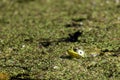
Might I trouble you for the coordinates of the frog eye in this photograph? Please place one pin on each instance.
(80, 52)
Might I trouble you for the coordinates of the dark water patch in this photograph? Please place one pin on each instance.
(24, 1)
(75, 23)
(21, 76)
(28, 39)
(45, 68)
(118, 6)
(79, 19)
(65, 57)
(17, 66)
(4, 21)
(116, 52)
(73, 37)
(45, 43)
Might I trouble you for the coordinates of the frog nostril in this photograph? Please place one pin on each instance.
(75, 49)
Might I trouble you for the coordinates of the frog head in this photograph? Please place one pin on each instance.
(80, 52)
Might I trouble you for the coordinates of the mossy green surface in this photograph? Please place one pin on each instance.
(32, 33)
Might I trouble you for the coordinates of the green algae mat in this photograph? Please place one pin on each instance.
(35, 35)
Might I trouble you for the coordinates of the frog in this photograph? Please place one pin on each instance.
(80, 52)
